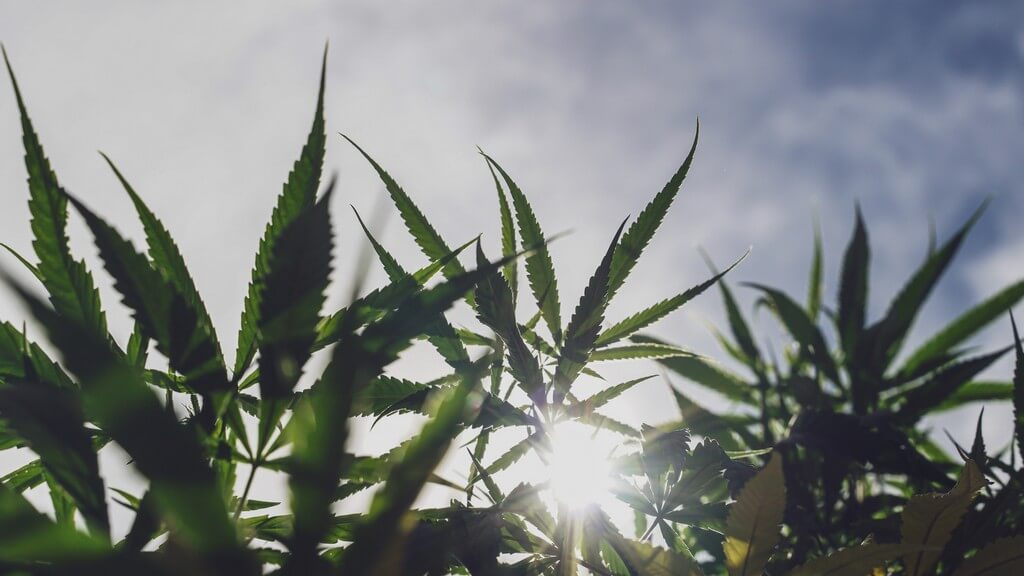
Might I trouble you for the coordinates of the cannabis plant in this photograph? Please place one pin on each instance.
(711, 494)
(844, 404)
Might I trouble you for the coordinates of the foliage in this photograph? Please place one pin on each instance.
(822, 470)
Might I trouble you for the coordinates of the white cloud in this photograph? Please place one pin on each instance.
(590, 105)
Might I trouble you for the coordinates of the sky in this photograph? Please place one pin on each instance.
(914, 110)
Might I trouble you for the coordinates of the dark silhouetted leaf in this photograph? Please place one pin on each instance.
(383, 522)
(585, 324)
(495, 308)
(298, 194)
(1004, 556)
(164, 312)
(296, 277)
(166, 257)
(856, 561)
(164, 451)
(853, 287)
(1018, 388)
(888, 334)
(441, 333)
(29, 536)
(921, 399)
(802, 329)
(965, 326)
(51, 422)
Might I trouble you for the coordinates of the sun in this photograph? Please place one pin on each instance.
(578, 469)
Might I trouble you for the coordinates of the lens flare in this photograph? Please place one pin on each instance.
(578, 467)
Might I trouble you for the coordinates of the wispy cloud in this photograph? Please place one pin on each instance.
(914, 109)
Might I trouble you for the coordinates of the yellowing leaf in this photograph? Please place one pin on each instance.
(1004, 556)
(752, 528)
(642, 559)
(929, 519)
(856, 561)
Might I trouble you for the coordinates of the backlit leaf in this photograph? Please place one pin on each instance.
(928, 520)
(646, 224)
(855, 561)
(752, 528)
(1004, 556)
(539, 270)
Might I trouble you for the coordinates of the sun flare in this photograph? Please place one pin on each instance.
(578, 468)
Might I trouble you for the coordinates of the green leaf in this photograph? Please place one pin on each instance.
(539, 270)
(146, 525)
(68, 282)
(377, 303)
(712, 375)
(391, 266)
(319, 433)
(853, 287)
(493, 490)
(358, 358)
(383, 523)
(585, 324)
(605, 396)
(426, 237)
(965, 326)
(928, 395)
(602, 422)
(929, 520)
(383, 392)
(703, 422)
(1018, 388)
(982, 391)
(508, 234)
(1003, 556)
(167, 453)
(642, 559)
(441, 333)
(889, 332)
(855, 561)
(24, 478)
(515, 453)
(165, 313)
(814, 284)
(297, 275)
(298, 194)
(802, 329)
(51, 422)
(29, 536)
(652, 314)
(24, 262)
(752, 528)
(739, 327)
(646, 224)
(166, 256)
(21, 358)
(421, 308)
(642, 350)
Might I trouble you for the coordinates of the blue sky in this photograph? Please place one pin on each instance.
(914, 109)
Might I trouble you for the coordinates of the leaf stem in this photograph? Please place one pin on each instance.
(245, 492)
